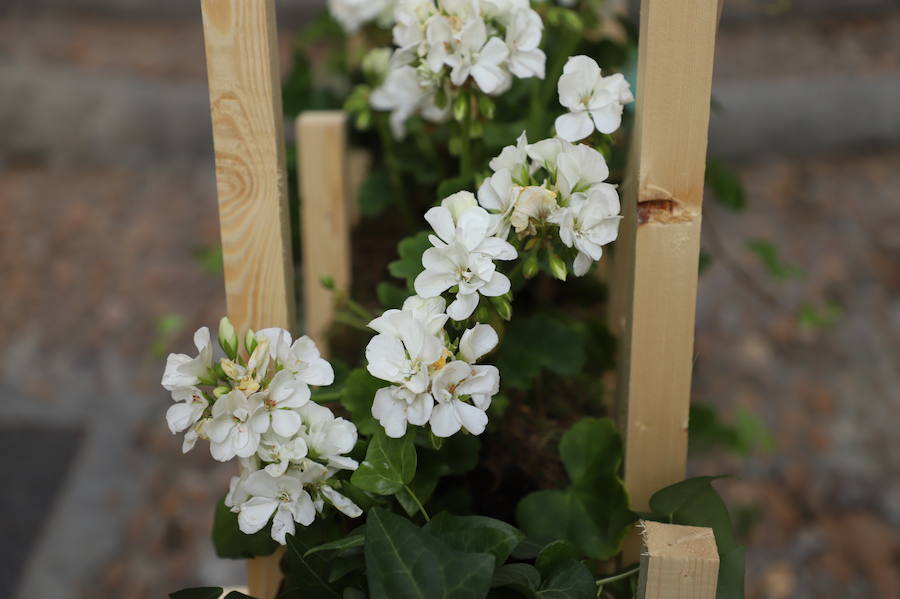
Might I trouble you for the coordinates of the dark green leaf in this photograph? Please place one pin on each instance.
(410, 263)
(306, 577)
(450, 186)
(555, 554)
(350, 593)
(357, 397)
(406, 562)
(357, 539)
(591, 447)
(389, 464)
(731, 574)
(457, 455)
(391, 296)
(560, 351)
(375, 194)
(198, 593)
(342, 566)
(522, 578)
(570, 580)
(237, 595)
(476, 534)
(231, 543)
(725, 185)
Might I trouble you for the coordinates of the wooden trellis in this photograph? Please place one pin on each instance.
(654, 278)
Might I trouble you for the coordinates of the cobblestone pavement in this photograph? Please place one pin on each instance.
(107, 194)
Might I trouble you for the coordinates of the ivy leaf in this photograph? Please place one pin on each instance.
(768, 255)
(357, 397)
(592, 513)
(391, 296)
(231, 543)
(476, 534)
(357, 539)
(448, 187)
(554, 554)
(410, 263)
(561, 350)
(725, 185)
(389, 464)
(198, 593)
(694, 502)
(305, 576)
(406, 562)
(457, 455)
(523, 578)
(570, 580)
(375, 193)
(237, 595)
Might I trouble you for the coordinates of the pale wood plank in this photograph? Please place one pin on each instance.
(677, 562)
(248, 134)
(324, 192)
(655, 278)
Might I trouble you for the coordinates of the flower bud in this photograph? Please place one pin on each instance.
(557, 267)
(250, 341)
(327, 282)
(503, 307)
(375, 65)
(228, 338)
(530, 266)
(461, 107)
(220, 391)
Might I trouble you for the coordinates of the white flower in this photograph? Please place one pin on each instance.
(404, 93)
(450, 384)
(189, 407)
(523, 38)
(280, 452)
(410, 17)
(480, 58)
(249, 377)
(183, 371)
(589, 222)
(463, 256)
(192, 436)
(328, 438)
(315, 477)
(230, 431)
(545, 152)
(592, 100)
(237, 492)
(535, 204)
(394, 407)
(476, 342)
(301, 358)
(579, 168)
(277, 405)
(353, 14)
(283, 496)
(403, 358)
(427, 311)
(514, 159)
(498, 194)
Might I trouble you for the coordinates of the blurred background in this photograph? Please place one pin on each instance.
(108, 257)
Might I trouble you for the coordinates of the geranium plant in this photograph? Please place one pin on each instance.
(375, 477)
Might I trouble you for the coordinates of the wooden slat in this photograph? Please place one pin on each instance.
(677, 562)
(248, 134)
(323, 170)
(655, 278)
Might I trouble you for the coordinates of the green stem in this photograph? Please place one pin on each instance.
(393, 166)
(418, 503)
(570, 41)
(358, 309)
(326, 397)
(621, 576)
(465, 154)
(352, 322)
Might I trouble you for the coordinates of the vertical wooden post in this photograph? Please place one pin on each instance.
(322, 167)
(657, 254)
(677, 562)
(248, 134)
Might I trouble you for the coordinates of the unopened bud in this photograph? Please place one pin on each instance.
(558, 267)
(250, 341)
(461, 107)
(228, 338)
(220, 391)
(530, 266)
(327, 282)
(503, 307)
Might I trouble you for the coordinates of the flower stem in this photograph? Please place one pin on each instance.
(465, 154)
(326, 397)
(393, 167)
(621, 576)
(418, 503)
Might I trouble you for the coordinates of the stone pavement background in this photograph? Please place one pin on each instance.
(107, 193)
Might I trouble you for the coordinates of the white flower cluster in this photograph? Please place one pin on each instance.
(441, 45)
(553, 183)
(260, 411)
(354, 14)
(593, 101)
(435, 382)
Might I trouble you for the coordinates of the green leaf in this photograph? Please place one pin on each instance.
(828, 315)
(476, 534)
(450, 186)
(351, 593)
(389, 464)
(237, 595)
(410, 263)
(305, 577)
(375, 194)
(231, 543)
(457, 455)
(694, 502)
(554, 554)
(561, 350)
(341, 567)
(357, 539)
(198, 593)
(592, 513)
(391, 296)
(523, 578)
(357, 397)
(725, 185)
(570, 580)
(406, 562)
(768, 255)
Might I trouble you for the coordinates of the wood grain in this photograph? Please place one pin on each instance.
(677, 562)
(322, 165)
(248, 135)
(656, 259)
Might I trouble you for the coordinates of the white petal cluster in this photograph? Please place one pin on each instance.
(440, 46)
(536, 188)
(593, 101)
(260, 412)
(434, 382)
(354, 14)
